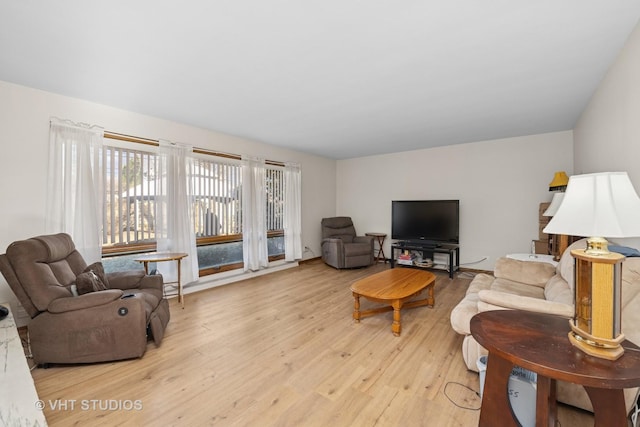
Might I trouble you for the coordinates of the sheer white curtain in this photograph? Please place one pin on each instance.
(75, 186)
(254, 202)
(174, 230)
(292, 212)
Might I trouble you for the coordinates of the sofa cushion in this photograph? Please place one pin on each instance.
(89, 281)
(566, 265)
(495, 300)
(92, 279)
(516, 288)
(340, 227)
(41, 281)
(557, 290)
(98, 269)
(527, 272)
(58, 246)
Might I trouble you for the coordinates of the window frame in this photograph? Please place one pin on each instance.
(141, 247)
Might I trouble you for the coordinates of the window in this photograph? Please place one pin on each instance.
(217, 213)
(217, 204)
(275, 198)
(275, 212)
(129, 217)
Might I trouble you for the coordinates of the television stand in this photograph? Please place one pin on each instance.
(425, 246)
(428, 249)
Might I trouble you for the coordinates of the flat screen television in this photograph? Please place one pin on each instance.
(426, 221)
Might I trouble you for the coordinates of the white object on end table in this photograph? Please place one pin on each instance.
(534, 257)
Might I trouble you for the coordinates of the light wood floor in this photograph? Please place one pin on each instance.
(283, 350)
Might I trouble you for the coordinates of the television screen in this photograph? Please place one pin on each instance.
(426, 220)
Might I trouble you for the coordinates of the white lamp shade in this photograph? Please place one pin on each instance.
(599, 204)
(555, 204)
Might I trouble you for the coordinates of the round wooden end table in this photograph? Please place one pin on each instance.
(145, 259)
(538, 342)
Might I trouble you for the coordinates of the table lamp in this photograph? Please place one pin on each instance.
(598, 205)
(561, 239)
(554, 205)
(559, 181)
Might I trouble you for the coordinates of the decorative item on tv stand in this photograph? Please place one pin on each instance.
(425, 263)
(599, 204)
(407, 258)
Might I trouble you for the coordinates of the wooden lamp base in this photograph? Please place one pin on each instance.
(596, 326)
(595, 346)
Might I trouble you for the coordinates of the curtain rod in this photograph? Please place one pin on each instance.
(155, 142)
(129, 138)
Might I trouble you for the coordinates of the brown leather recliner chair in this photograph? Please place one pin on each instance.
(96, 326)
(341, 248)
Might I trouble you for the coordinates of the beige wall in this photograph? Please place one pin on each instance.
(499, 184)
(24, 137)
(607, 135)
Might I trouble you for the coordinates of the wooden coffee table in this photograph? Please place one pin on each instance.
(393, 287)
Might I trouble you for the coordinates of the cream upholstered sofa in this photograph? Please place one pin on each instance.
(541, 287)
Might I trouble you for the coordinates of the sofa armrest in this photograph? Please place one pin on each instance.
(152, 281)
(128, 279)
(333, 252)
(495, 300)
(363, 239)
(135, 279)
(92, 299)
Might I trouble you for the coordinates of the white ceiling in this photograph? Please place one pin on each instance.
(337, 78)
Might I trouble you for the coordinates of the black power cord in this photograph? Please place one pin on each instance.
(467, 388)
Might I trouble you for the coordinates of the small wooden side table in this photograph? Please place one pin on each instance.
(379, 251)
(145, 259)
(538, 342)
